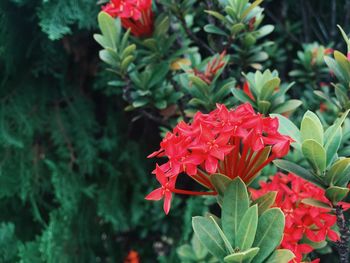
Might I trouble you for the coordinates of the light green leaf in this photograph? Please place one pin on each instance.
(332, 144)
(269, 233)
(265, 202)
(287, 127)
(110, 29)
(235, 204)
(336, 193)
(209, 236)
(281, 256)
(214, 30)
(288, 106)
(298, 170)
(242, 257)
(315, 154)
(247, 228)
(339, 174)
(316, 203)
(311, 128)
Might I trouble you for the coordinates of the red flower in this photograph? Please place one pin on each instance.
(134, 14)
(167, 184)
(302, 220)
(236, 143)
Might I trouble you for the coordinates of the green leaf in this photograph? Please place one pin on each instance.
(333, 66)
(339, 174)
(235, 204)
(107, 57)
(298, 170)
(265, 202)
(236, 28)
(247, 229)
(331, 136)
(216, 14)
(200, 84)
(336, 193)
(250, 8)
(287, 127)
(185, 252)
(224, 238)
(265, 30)
(241, 96)
(126, 63)
(316, 203)
(110, 30)
(288, 106)
(315, 154)
(209, 236)
(101, 40)
(311, 128)
(281, 256)
(264, 106)
(268, 88)
(332, 144)
(128, 51)
(214, 30)
(346, 39)
(344, 64)
(242, 257)
(269, 233)
(220, 182)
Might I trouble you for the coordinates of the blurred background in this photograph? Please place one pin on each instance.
(73, 167)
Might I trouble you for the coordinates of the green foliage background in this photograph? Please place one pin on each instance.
(73, 172)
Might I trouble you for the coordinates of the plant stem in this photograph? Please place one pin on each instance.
(343, 244)
(191, 35)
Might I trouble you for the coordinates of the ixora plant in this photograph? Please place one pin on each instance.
(171, 70)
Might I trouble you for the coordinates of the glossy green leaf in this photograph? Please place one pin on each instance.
(288, 106)
(250, 8)
(242, 257)
(332, 144)
(336, 193)
(298, 170)
(247, 229)
(220, 182)
(287, 127)
(268, 88)
(214, 30)
(110, 29)
(311, 128)
(224, 238)
(209, 236)
(332, 136)
(216, 14)
(265, 202)
(235, 204)
(339, 174)
(315, 154)
(128, 51)
(264, 106)
(241, 96)
(281, 256)
(269, 233)
(316, 203)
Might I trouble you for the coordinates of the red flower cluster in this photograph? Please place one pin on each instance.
(302, 220)
(212, 68)
(236, 143)
(134, 14)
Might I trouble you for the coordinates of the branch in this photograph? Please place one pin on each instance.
(342, 244)
(193, 36)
